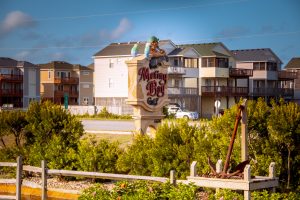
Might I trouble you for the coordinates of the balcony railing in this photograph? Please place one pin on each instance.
(237, 72)
(224, 91)
(11, 93)
(176, 70)
(182, 91)
(11, 77)
(287, 75)
(273, 92)
(70, 80)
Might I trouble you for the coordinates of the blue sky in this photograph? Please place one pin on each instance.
(73, 30)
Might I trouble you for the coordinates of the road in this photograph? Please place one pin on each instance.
(106, 125)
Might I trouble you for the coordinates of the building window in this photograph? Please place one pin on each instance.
(271, 66)
(85, 100)
(110, 83)
(111, 64)
(259, 66)
(177, 83)
(86, 73)
(86, 86)
(208, 62)
(176, 63)
(49, 74)
(222, 62)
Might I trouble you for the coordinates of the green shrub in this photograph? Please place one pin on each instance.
(138, 190)
(98, 156)
(262, 195)
(225, 194)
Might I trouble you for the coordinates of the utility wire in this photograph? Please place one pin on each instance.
(139, 11)
(177, 42)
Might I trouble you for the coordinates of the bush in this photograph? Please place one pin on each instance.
(140, 190)
(53, 135)
(98, 156)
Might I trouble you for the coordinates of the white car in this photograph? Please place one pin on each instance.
(186, 114)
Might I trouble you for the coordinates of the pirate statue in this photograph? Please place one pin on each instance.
(156, 55)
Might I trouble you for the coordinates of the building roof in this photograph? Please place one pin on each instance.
(124, 49)
(56, 65)
(294, 63)
(255, 55)
(207, 49)
(7, 62)
(91, 66)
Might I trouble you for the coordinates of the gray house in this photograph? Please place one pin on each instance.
(19, 83)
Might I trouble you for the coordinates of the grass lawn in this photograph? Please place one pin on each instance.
(123, 139)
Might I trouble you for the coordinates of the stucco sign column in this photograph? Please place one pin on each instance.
(147, 92)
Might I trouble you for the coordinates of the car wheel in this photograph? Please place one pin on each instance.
(186, 117)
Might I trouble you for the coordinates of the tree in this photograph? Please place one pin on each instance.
(284, 130)
(52, 134)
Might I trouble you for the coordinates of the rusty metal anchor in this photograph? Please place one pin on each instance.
(239, 169)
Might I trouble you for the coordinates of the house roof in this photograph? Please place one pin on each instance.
(255, 55)
(206, 49)
(294, 63)
(56, 65)
(124, 49)
(91, 66)
(9, 62)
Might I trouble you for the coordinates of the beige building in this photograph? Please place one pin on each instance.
(268, 80)
(294, 67)
(62, 79)
(19, 83)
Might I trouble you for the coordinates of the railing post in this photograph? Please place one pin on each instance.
(172, 177)
(44, 180)
(19, 178)
(272, 173)
(247, 177)
(193, 169)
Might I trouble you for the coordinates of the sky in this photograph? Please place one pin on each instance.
(41, 31)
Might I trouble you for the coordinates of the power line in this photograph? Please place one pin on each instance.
(177, 42)
(139, 11)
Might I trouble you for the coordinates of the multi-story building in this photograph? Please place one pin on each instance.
(198, 75)
(60, 80)
(268, 80)
(294, 67)
(19, 83)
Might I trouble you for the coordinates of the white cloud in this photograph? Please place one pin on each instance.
(15, 20)
(124, 26)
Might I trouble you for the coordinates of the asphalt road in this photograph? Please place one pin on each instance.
(106, 125)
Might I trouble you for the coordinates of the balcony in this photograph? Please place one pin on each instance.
(182, 91)
(237, 72)
(224, 91)
(214, 72)
(70, 80)
(11, 78)
(273, 92)
(176, 70)
(11, 93)
(287, 75)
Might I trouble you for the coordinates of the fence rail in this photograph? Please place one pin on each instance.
(45, 172)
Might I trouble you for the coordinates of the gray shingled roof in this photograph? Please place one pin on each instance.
(294, 63)
(124, 49)
(258, 55)
(7, 62)
(205, 49)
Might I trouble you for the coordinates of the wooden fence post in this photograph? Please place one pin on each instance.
(44, 180)
(19, 178)
(193, 170)
(172, 177)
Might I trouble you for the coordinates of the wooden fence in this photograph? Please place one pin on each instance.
(45, 172)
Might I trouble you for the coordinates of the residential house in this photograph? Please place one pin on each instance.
(294, 67)
(218, 79)
(268, 80)
(19, 83)
(61, 80)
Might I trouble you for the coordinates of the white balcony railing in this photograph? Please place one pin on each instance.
(176, 70)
